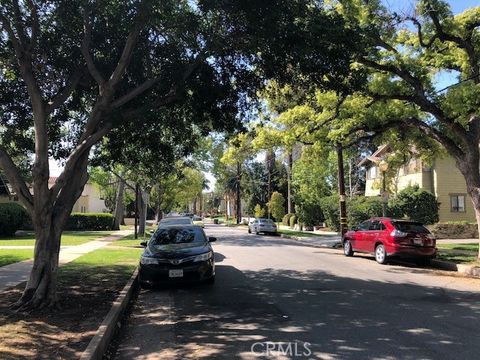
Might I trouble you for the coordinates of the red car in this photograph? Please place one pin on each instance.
(387, 237)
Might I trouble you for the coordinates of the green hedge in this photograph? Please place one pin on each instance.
(293, 220)
(309, 213)
(286, 219)
(455, 230)
(417, 204)
(12, 216)
(89, 221)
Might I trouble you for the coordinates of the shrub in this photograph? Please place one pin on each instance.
(276, 205)
(362, 208)
(331, 211)
(417, 204)
(359, 209)
(455, 230)
(12, 217)
(310, 214)
(286, 219)
(89, 221)
(293, 220)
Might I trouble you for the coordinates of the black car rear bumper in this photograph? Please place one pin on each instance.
(153, 274)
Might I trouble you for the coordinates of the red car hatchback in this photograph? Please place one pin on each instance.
(386, 237)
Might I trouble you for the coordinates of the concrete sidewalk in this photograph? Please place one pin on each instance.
(13, 274)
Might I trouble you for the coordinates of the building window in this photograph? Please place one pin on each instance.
(372, 173)
(457, 202)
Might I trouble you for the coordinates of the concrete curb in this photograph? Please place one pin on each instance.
(302, 240)
(100, 342)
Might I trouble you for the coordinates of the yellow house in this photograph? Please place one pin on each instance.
(441, 178)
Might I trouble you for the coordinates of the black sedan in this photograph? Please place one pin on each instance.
(177, 253)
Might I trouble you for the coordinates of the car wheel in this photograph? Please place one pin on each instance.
(380, 254)
(249, 231)
(347, 248)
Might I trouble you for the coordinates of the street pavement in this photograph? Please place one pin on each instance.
(279, 299)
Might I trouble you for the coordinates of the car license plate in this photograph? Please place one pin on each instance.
(418, 241)
(175, 273)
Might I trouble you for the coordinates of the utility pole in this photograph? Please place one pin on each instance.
(289, 182)
(239, 205)
(136, 210)
(341, 191)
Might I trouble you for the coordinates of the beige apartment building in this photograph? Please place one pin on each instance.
(441, 178)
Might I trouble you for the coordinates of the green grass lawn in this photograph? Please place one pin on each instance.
(461, 247)
(130, 241)
(99, 262)
(68, 238)
(10, 256)
(458, 253)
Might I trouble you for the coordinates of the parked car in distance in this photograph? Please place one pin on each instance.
(175, 220)
(267, 226)
(385, 238)
(197, 220)
(177, 253)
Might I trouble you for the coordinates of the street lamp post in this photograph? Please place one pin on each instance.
(383, 166)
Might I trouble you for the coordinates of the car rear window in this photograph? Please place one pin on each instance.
(266, 221)
(176, 221)
(175, 235)
(406, 226)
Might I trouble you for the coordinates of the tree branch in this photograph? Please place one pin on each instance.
(60, 98)
(71, 163)
(35, 24)
(135, 92)
(15, 178)
(87, 38)
(126, 56)
(465, 44)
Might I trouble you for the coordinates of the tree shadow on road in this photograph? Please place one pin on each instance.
(342, 318)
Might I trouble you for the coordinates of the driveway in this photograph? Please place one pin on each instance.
(275, 298)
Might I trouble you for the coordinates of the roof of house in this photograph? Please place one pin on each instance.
(5, 187)
(376, 157)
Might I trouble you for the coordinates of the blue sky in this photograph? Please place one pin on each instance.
(457, 5)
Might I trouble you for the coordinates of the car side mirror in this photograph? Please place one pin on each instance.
(212, 239)
(143, 243)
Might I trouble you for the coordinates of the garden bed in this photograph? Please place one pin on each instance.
(87, 288)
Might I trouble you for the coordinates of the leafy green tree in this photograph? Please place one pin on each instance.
(407, 54)
(75, 72)
(259, 211)
(276, 205)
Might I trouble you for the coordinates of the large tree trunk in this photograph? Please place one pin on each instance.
(49, 218)
(42, 285)
(469, 166)
(119, 206)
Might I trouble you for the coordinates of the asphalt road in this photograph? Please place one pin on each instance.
(276, 299)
